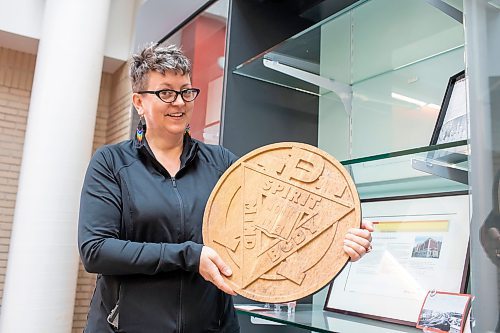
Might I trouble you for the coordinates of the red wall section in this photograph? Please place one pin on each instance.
(203, 41)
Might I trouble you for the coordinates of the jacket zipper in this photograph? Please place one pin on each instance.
(174, 184)
(181, 205)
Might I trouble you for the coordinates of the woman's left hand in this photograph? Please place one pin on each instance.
(357, 241)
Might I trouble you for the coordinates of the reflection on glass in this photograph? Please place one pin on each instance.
(203, 40)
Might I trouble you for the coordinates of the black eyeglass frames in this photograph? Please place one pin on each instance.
(170, 95)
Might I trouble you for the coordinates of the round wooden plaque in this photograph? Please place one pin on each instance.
(278, 217)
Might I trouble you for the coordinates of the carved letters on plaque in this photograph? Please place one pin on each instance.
(290, 204)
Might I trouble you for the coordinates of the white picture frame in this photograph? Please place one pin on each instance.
(419, 244)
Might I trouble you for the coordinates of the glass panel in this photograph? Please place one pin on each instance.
(378, 44)
(360, 42)
(300, 52)
(425, 170)
(379, 89)
(203, 40)
(312, 317)
(398, 109)
(398, 80)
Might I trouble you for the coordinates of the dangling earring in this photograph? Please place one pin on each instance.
(187, 129)
(141, 127)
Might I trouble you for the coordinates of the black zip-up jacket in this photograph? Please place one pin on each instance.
(140, 230)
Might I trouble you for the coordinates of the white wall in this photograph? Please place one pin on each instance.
(156, 18)
(22, 17)
(121, 29)
(131, 24)
(21, 23)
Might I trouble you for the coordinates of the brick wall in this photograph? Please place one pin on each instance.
(112, 125)
(119, 119)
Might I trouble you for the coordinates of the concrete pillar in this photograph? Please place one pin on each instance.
(42, 266)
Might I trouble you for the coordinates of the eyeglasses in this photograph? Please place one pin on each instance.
(169, 95)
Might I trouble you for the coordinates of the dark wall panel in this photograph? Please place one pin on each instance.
(276, 115)
(255, 112)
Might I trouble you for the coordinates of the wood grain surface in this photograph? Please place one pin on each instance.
(278, 217)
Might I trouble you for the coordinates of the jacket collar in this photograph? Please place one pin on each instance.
(189, 150)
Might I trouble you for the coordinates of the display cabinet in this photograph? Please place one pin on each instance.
(403, 173)
(379, 70)
(366, 85)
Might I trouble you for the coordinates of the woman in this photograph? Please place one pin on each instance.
(141, 211)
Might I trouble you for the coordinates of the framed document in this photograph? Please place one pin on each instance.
(444, 312)
(419, 244)
(452, 123)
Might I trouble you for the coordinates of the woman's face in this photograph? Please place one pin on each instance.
(165, 118)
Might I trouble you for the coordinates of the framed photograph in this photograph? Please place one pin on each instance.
(419, 244)
(451, 124)
(444, 312)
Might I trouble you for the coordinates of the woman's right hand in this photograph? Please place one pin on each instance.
(211, 267)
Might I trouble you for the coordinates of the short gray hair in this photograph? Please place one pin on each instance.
(154, 57)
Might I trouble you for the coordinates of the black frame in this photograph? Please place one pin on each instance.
(444, 105)
(177, 93)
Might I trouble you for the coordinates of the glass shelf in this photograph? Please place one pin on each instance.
(360, 43)
(425, 170)
(313, 318)
(378, 89)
